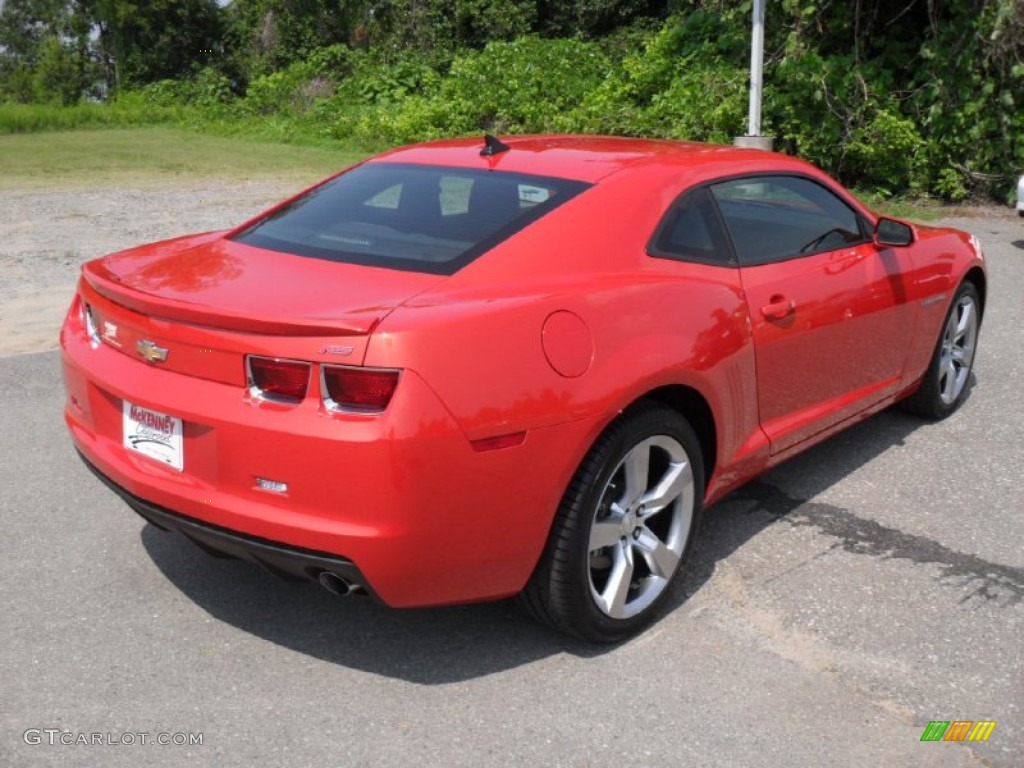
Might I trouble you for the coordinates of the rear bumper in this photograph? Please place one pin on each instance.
(289, 563)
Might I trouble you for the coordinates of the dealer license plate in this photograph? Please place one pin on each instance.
(153, 434)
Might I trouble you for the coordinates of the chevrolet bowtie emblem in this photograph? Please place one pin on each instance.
(150, 352)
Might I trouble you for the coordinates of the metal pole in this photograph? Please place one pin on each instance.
(756, 69)
(754, 139)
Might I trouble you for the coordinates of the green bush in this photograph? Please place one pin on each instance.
(335, 62)
(376, 81)
(524, 86)
(210, 88)
(888, 153)
(681, 84)
(951, 184)
(280, 91)
(808, 103)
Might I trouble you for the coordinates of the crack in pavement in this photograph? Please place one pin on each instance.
(857, 535)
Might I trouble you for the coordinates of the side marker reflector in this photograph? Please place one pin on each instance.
(497, 443)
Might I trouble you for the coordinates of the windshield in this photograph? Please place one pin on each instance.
(415, 217)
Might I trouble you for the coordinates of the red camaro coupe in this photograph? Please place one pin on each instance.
(471, 369)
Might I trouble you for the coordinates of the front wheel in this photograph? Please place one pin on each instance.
(945, 382)
(623, 528)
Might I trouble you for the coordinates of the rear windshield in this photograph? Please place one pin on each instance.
(414, 217)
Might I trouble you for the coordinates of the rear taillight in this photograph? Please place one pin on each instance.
(282, 381)
(366, 390)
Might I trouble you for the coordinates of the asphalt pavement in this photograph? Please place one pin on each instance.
(833, 608)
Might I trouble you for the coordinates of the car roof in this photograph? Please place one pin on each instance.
(588, 158)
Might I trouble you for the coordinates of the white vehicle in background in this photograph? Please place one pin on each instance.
(1020, 196)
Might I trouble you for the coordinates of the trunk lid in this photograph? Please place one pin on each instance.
(211, 281)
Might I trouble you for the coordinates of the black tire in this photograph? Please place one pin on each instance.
(947, 380)
(573, 588)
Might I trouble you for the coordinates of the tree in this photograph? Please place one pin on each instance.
(55, 78)
(26, 24)
(44, 50)
(142, 42)
(268, 35)
(64, 47)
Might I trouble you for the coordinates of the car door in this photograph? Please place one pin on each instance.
(831, 322)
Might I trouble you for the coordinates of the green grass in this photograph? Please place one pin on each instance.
(31, 118)
(914, 209)
(147, 156)
(133, 109)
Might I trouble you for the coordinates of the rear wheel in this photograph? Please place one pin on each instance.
(945, 383)
(622, 530)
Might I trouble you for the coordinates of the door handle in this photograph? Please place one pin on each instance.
(778, 307)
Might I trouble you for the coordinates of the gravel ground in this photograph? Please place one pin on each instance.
(45, 236)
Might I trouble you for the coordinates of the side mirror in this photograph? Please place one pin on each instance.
(889, 232)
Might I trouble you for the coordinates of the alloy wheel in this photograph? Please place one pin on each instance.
(958, 345)
(640, 527)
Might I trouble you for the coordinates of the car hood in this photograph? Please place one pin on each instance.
(209, 280)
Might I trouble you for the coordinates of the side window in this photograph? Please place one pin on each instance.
(691, 231)
(774, 218)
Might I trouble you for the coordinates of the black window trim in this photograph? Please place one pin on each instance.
(733, 261)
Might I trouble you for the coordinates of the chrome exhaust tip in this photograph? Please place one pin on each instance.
(335, 584)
